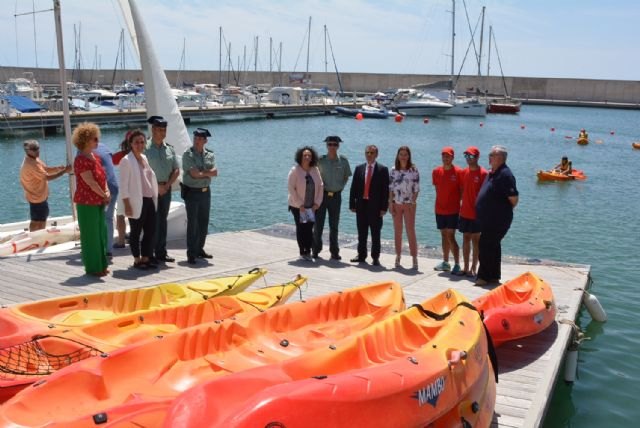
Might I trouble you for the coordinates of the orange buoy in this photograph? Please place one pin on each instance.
(359, 116)
(521, 126)
(398, 118)
(425, 120)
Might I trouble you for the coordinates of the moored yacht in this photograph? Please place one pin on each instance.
(413, 103)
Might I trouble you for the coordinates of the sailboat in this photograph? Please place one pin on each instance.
(62, 233)
(462, 106)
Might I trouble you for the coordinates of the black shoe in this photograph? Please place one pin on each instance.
(204, 255)
(191, 260)
(315, 255)
(376, 262)
(357, 260)
(336, 257)
(166, 259)
(141, 265)
(153, 261)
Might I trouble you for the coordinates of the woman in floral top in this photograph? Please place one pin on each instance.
(404, 186)
(91, 197)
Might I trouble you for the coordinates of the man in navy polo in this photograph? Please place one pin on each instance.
(494, 210)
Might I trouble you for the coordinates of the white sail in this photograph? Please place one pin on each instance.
(128, 20)
(158, 96)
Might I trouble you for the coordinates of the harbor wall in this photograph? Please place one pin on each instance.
(582, 90)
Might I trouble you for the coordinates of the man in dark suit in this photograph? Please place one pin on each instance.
(369, 199)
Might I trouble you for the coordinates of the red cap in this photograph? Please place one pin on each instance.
(448, 150)
(472, 150)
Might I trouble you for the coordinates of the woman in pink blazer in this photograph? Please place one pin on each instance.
(305, 196)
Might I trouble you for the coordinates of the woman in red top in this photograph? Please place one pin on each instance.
(91, 197)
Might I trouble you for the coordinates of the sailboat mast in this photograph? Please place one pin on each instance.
(453, 40)
(325, 48)
(65, 96)
(308, 44)
(481, 37)
(220, 59)
(489, 50)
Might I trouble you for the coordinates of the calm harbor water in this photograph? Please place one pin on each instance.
(591, 222)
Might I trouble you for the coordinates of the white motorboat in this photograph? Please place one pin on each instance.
(421, 104)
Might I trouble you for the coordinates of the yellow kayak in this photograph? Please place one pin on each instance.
(28, 362)
(22, 322)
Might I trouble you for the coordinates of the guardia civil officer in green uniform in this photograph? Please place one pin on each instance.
(198, 166)
(164, 163)
(335, 172)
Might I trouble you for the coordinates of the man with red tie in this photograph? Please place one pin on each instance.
(369, 199)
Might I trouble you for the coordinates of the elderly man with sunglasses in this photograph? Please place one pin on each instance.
(496, 200)
(335, 172)
(34, 177)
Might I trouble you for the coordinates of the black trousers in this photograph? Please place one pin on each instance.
(368, 219)
(304, 232)
(146, 224)
(490, 254)
(198, 206)
(160, 238)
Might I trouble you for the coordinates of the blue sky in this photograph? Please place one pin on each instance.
(535, 38)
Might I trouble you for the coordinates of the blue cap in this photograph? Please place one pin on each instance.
(201, 132)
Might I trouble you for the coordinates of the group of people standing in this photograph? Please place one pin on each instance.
(477, 202)
(148, 169)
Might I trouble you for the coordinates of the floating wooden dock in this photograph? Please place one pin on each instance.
(52, 122)
(528, 368)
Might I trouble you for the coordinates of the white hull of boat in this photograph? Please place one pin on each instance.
(423, 109)
(62, 233)
(467, 108)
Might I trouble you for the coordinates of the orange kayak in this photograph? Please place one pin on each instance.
(405, 371)
(518, 308)
(476, 408)
(31, 361)
(636, 145)
(576, 174)
(20, 323)
(582, 141)
(151, 374)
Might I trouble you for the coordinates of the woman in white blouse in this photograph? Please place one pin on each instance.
(404, 186)
(139, 190)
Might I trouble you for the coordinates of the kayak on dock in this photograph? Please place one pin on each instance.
(411, 369)
(145, 378)
(521, 307)
(29, 362)
(21, 323)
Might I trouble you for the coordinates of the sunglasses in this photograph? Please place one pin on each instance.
(468, 156)
(332, 144)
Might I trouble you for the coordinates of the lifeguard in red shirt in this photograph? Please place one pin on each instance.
(471, 179)
(446, 181)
